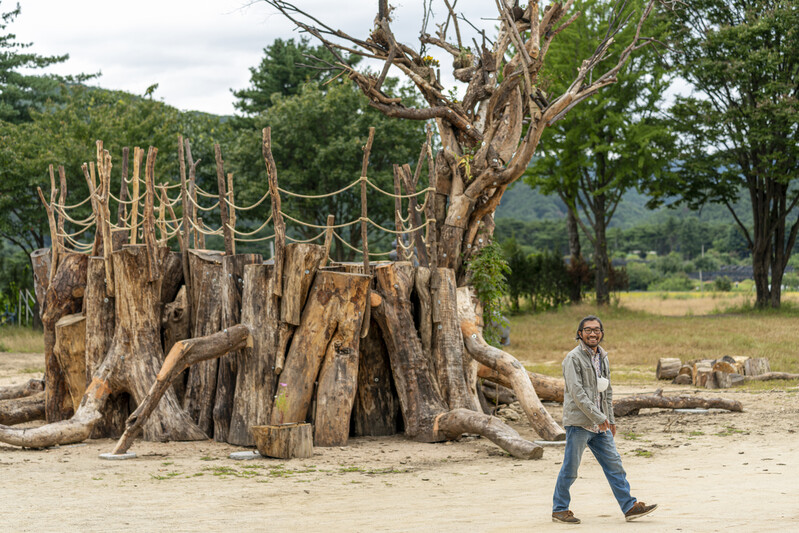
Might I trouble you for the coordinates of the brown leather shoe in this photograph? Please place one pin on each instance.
(565, 517)
(638, 510)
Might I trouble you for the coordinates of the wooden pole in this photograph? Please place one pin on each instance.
(277, 216)
(184, 236)
(149, 216)
(104, 220)
(53, 234)
(223, 207)
(364, 215)
(430, 215)
(122, 209)
(62, 200)
(230, 198)
(398, 213)
(328, 239)
(134, 216)
(192, 192)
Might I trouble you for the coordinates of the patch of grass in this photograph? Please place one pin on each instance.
(640, 452)
(32, 369)
(629, 435)
(696, 433)
(731, 430)
(168, 475)
(20, 339)
(207, 458)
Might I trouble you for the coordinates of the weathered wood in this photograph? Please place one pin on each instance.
(232, 284)
(548, 388)
(299, 267)
(22, 390)
(331, 318)
(70, 350)
(498, 393)
(507, 365)
(768, 376)
(331, 219)
(182, 355)
(206, 301)
(175, 321)
(367, 150)
(277, 215)
(100, 324)
(55, 251)
(632, 404)
(223, 207)
(64, 296)
(410, 181)
(256, 379)
(668, 368)
(414, 376)
(104, 218)
(122, 211)
(138, 154)
(40, 264)
(459, 421)
(376, 409)
(148, 222)
(424, 308)
(755, 366)
(725, 380)
(447, 343)
(703, 374)
(683, 379)
(338, 377)
(22, 409)
(186, 230)
(284, 442)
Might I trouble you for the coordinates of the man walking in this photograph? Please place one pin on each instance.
(588, 419)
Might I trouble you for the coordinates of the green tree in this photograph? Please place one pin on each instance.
(20, 90)
(739, 128)
(612, 142)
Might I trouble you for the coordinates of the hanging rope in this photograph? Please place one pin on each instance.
(253, 232)
(317, 196)
(316, 226)
(351, 247)
(253, 206)
(322, 234)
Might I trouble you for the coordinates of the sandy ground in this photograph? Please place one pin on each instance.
(708, 472)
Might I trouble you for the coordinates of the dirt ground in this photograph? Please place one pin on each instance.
(717, 471)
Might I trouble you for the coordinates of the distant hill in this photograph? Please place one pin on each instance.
(528, 205)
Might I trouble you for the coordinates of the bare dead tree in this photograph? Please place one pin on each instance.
(484, 144)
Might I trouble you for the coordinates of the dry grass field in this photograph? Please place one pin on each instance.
(646, 327)
(21, 340)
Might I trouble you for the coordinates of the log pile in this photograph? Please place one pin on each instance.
(723, 373)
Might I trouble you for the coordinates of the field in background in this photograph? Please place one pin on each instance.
(636, 339)
(692, 303)
(19, 339)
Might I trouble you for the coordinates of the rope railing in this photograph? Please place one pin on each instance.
(131, 218)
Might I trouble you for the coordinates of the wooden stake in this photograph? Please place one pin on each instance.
(223, 207)
(364, 215)
(104, 221)
(122, 209)
(328, 239)
(62, 200)
(231, 198)
(277, 216)
(134, 215)
(184, 236)
(53, 234)
(149, 216)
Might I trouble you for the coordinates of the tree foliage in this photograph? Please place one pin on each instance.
(740, 127)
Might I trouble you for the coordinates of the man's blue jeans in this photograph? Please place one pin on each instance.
(604, 449)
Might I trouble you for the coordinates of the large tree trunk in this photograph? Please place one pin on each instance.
(575, 257)
(376, 410)
(256, 379)
(206, 305)
(232, 284)
(601, 260)
(64, 296)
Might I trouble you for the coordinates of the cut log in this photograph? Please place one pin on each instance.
(507, 365)
(21, 410)
(459, 421)
(285, 441)
(424, 308)
(182, 355)
(376, 409)
(547, 388)
(668, 368)
(338, 377)
(725, 380)
(256, 379)
(70, 351)
(723, 366)
(100, 323)
(232, 283)
(299, 267)
(755, 366)
(632, 404)
(206, 304)
(497, 393)
(329, 330)
(64, 296)
(703, 374)
(447, 343)
(29, 388)
(683, 379)
(414, 375)
(40, 263)
(770, 376)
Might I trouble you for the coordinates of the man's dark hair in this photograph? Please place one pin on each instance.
(589, 318)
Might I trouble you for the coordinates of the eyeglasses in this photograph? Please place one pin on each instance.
(592, 330)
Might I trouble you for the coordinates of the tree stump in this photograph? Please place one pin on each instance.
(284, 441)
(64, 296)
(668, 368)
(232, 283)
(755, 366)
(40, 263)
(256, 379)
(206, 305)
(100, 324)
(329, 331)
(70, 351)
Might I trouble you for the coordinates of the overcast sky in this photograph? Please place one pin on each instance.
(195, 50)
